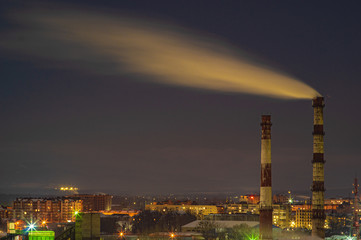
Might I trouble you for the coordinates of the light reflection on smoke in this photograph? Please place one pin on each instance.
(113, 45)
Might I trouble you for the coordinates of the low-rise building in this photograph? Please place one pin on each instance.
(193, 209)
(232, 217)
(193, 226)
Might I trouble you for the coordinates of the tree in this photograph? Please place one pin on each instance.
(241, 232)
(152, 221)
(208, 229)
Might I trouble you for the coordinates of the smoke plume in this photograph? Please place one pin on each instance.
(105, 44)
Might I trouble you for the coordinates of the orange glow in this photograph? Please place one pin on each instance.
(20, 224)
(130, 213)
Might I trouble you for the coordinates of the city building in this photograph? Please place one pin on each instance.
(47, 210)
(41, 235)
(193, 209)
(255, 198)
(6, 212)
(94, 202)
(337, 201)
(281, 215)
(242, 208)
(232, 217)
(303, 217)
(251, 199)
(221, 225)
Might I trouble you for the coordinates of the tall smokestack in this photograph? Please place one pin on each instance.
(318, 189)
(265, 226)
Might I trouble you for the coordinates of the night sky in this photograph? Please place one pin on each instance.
(121, 133)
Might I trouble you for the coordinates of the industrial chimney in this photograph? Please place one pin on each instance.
(265, 227)
(318, 189)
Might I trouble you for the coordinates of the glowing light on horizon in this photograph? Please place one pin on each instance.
(68, 189)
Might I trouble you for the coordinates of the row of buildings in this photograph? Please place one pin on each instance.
(286, 215)
(56, 209)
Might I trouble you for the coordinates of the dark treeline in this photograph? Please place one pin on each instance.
(150, 222)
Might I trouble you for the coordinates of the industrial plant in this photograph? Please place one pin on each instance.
(318, 189)
(266, 216)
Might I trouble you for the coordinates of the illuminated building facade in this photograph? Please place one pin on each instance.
(95, 202)
(255, 198)
(303, 218)
(6, 212)
(48, 210)
(252, 199)
(281, 212)
(337, 201)
(41, 235)
(242, 208)
(193, 209)
(281, 215)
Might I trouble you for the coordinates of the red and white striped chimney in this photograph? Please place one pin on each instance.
(265, 226)
(318, 189)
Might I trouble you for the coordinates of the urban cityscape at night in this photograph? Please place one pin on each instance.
(187, 120)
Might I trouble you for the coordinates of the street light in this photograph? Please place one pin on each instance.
(31, 227)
